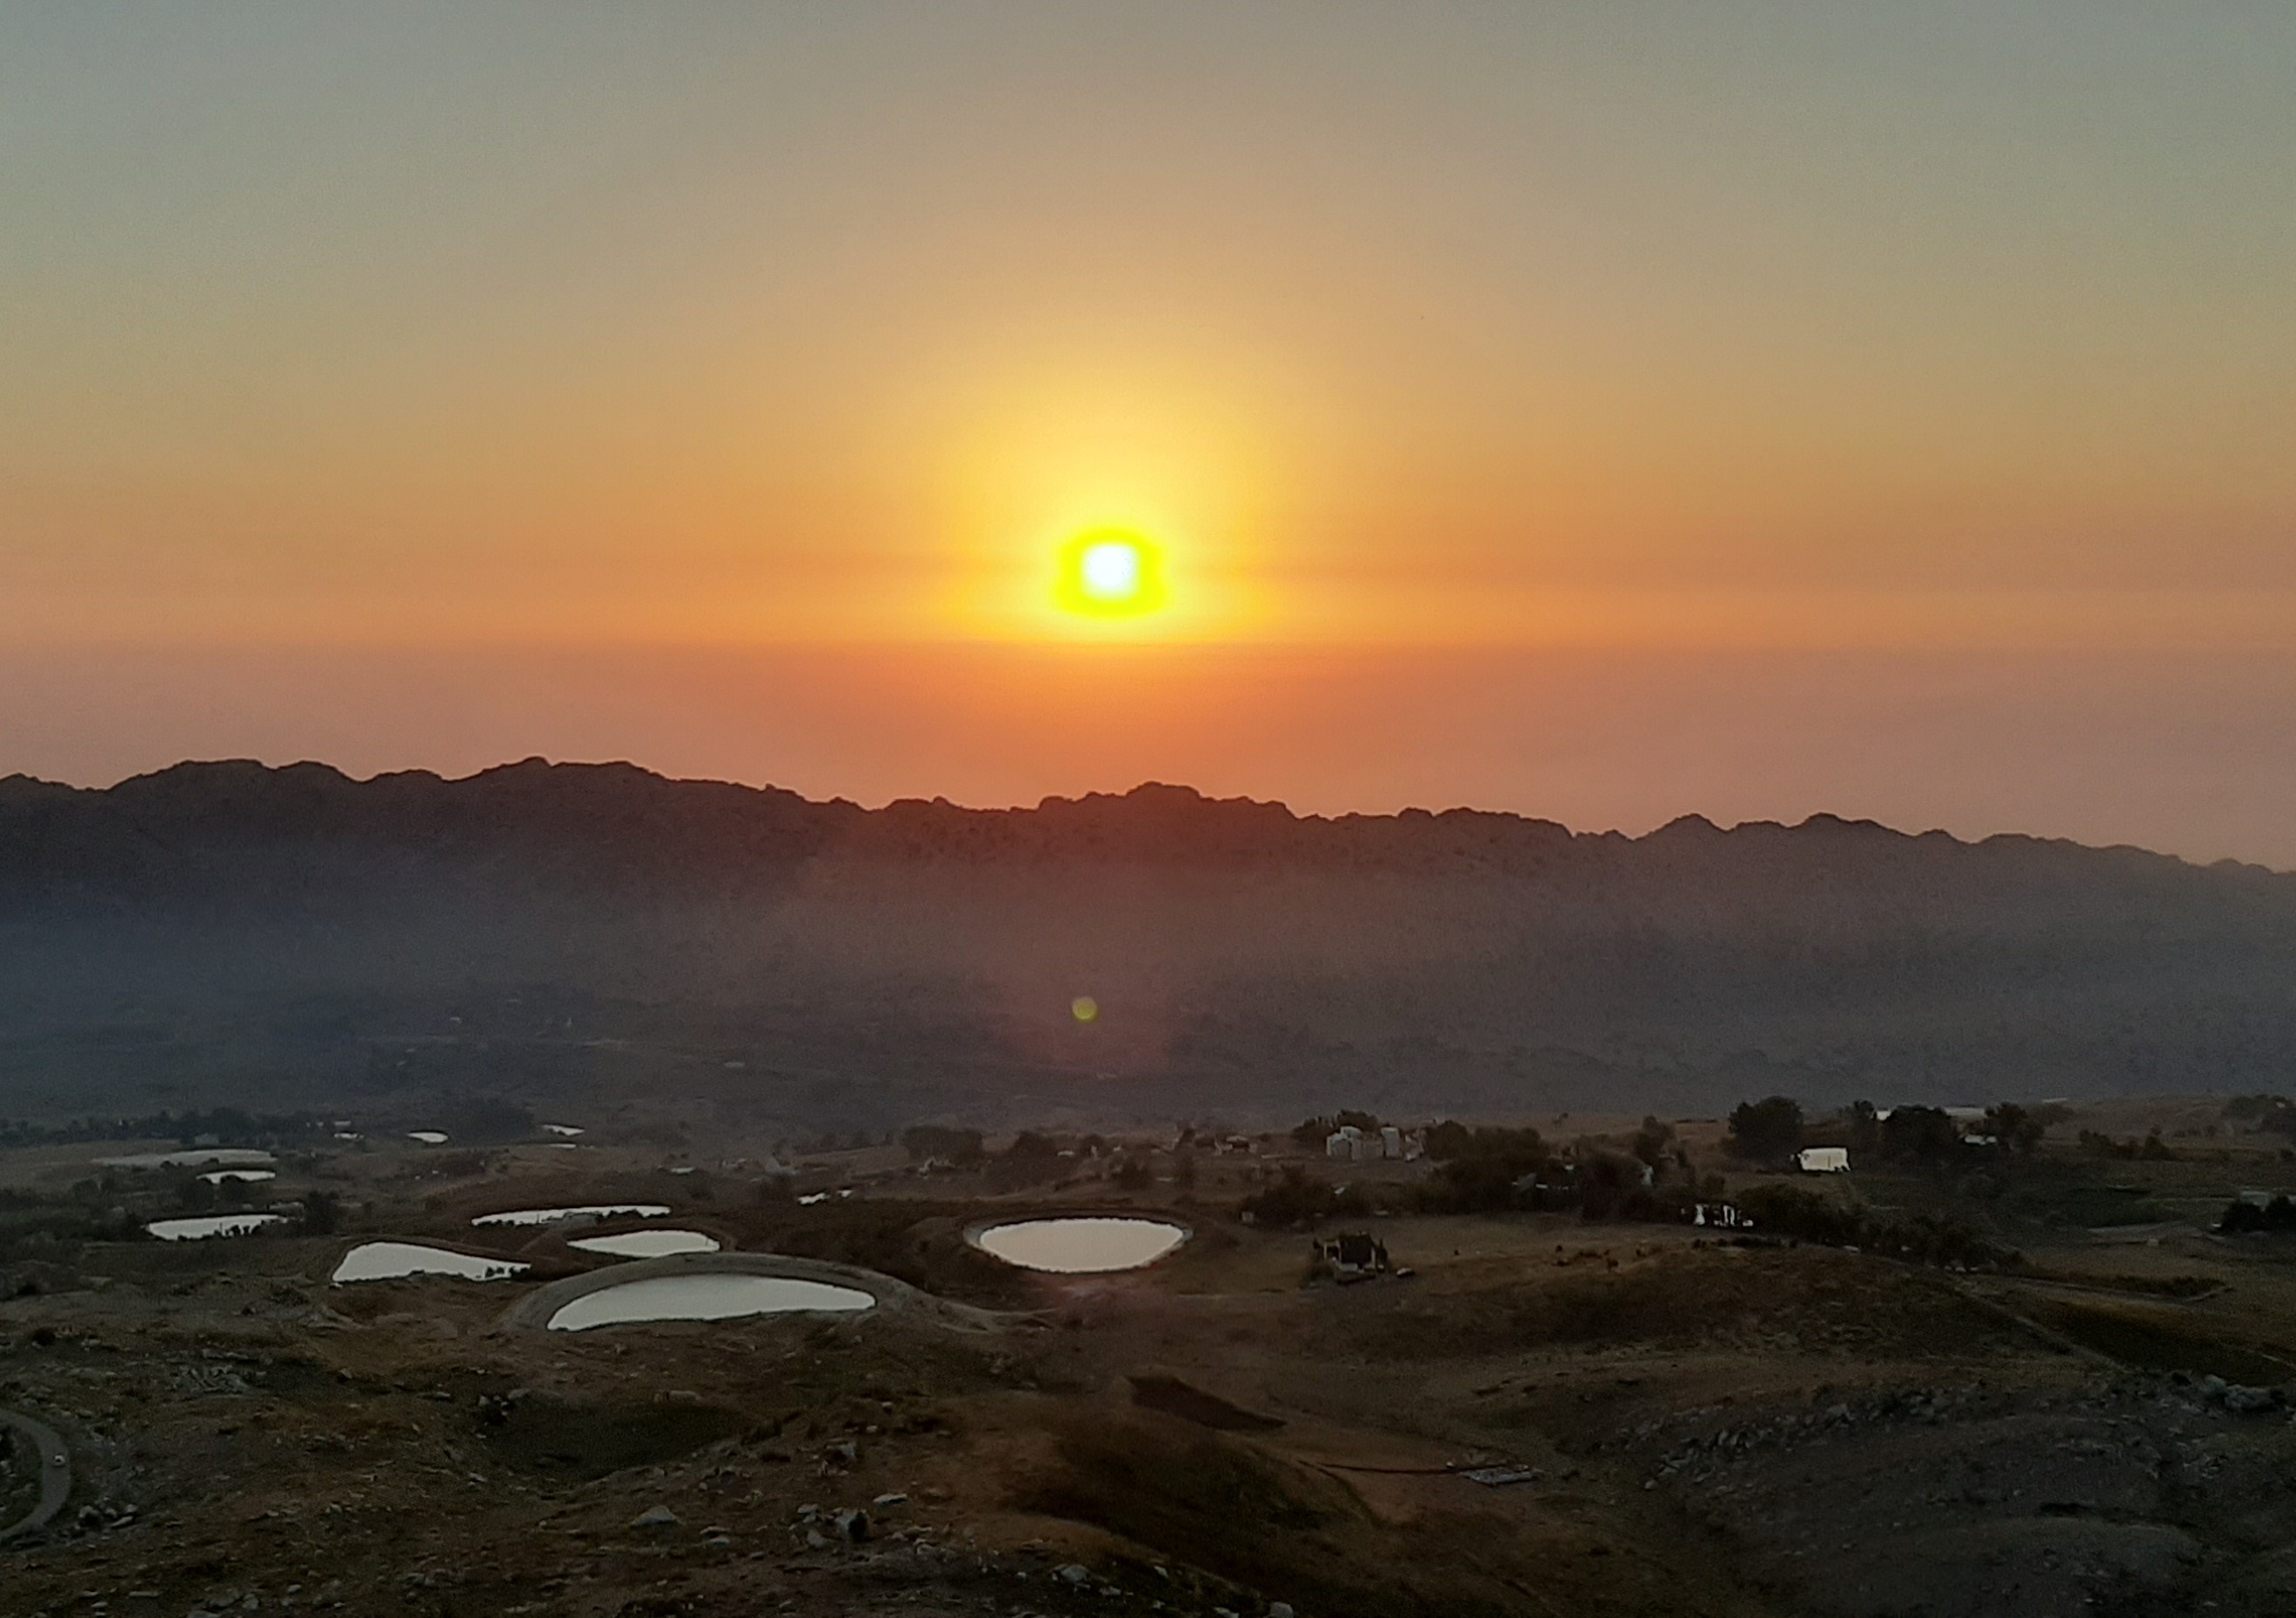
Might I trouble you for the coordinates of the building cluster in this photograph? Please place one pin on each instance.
(1350, 1144)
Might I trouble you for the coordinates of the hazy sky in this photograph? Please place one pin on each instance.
(1600, 411)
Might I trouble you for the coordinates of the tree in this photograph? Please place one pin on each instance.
(1919, 1134)
(1651, 1140)
(1865, 1128)
(2017, 1130)
(322, 1213)
(1606, 1183)
(1767, 1130)
(1449, 1140)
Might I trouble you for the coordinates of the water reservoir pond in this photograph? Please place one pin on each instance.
(219, 1176)
(389, 1260)
(551, 1216)
(212, 1225)
(212, 1157)
(704, 1298)
(647, 1243)
(1081, 1246)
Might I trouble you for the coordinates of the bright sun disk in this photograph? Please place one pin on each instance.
(1110, 575)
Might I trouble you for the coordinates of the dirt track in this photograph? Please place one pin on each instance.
(55, 1463)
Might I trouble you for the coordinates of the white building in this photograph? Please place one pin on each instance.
(1824, 1160)
(1350, 1144)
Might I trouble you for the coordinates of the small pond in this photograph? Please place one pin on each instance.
(429, 1137)
(1082, 1246)
(567, 1130)
(212, 1225)
(647, 1243)
(705, 1298)
(211, 1158)
(218, 1176)
(389, 1260)
(551, 1216)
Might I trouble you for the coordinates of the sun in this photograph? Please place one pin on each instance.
(1109, 574)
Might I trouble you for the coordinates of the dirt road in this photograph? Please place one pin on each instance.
(55, 1472)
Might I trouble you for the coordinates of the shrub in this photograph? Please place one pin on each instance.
(1297, 1199)
(1766, 1130)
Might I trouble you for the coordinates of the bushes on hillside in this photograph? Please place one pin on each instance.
(2244, 1216)
(926, 1141)
(1298, 1199)
(2151, 1150)
(1790, 1210)
(1766, 1130)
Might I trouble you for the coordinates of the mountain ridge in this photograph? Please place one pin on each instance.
(297, 924)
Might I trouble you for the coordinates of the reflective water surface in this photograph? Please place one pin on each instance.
(647, 1243)
(1082, 1246)
(704, 1298)
(389, 1260)
(212, 1225)
(547, 1216)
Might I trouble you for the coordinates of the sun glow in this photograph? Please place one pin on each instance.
(1109, 574)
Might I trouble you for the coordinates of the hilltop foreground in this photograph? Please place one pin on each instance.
(1546, 1414)
(230, 932)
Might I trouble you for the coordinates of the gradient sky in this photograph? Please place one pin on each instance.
(1605, 411)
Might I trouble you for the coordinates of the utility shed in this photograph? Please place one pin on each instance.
(1824, 1160)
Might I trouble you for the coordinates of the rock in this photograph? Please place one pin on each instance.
(1072, 1573)
(814, 1540)
(655, 1517)
(852, 1522)
(883, 1501)
(1279, 1609)
(2249, 1400)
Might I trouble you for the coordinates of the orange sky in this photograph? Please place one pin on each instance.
(1490, 343)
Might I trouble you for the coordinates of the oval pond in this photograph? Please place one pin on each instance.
(212, 1225)
(705, 1298)
(1092, 1245)
(389, 1260)
(647, 1243)
(549, 1216)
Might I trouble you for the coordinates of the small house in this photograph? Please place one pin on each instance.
(1823, 1160)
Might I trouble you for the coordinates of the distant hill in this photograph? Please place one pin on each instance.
(232, 931)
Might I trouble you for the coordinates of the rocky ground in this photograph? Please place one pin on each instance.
(1663, 1425)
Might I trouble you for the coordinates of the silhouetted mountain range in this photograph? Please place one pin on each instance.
(222, 928)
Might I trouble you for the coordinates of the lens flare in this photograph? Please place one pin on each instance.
(1110, 575)
(1085, 1009)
